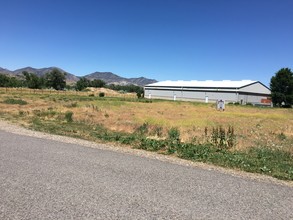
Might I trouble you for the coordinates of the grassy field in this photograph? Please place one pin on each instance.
(262, 138)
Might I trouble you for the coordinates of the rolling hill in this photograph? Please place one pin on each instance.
(108, 77)
(111, 78)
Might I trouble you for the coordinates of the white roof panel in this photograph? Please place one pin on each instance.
(207, 83)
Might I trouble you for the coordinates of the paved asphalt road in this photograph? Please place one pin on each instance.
(45, 179)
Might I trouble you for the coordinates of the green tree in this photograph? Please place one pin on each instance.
(55, 79)
(282, 87)
(7, 81)
(82, 83)
(139, 92)
(4, 80)
(15, 82)
(32, 80)
(126, 88)
(97, 83)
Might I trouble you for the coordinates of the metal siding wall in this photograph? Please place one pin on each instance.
(225, 96)
(254, 99)
(191, 95)
(164, 94)
(212, 96)
(243, 98)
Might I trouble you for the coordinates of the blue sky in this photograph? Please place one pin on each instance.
(159, 39)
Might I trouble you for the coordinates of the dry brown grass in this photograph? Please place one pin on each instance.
(111, 93)
(253, 126)
(90, 91)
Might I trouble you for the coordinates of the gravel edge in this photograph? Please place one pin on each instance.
(19, 130)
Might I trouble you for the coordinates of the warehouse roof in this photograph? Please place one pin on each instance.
(204, 84)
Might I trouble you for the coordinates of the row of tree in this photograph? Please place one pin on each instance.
(127, 88)
(54, 79)
(57, 80)
(6, 81)
(84, 83)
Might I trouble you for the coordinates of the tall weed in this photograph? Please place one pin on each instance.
(69, 116)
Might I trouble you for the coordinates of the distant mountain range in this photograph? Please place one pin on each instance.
(111, 78)
(108, 77)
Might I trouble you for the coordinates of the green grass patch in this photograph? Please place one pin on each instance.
(151, 144)
(68, 116)
(262, 160)
(15, 101)
(82, 130)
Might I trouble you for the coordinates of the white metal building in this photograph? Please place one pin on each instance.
(244, 91)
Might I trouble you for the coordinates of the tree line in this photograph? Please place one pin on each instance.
(54, 79)
(57, 80)
(84, 83)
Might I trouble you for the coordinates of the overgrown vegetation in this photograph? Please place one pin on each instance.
(127, 88)
(250, 139)
(68, 116)
(263, 160)
(221, 139)
(83, 83)
(15, 101)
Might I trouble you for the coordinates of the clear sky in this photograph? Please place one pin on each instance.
(159, 39)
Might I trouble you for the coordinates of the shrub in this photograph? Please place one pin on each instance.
(158, 131)
(174, 134)
(21, 113)
(195, 152)
(101, 94)
(221, 139)
(68, 116)
(206, 132)
(222, 136)
(231, 137)
(286, 106)
(173, 140)
(36, 121)
(151, 144)
(215, 136)
(281, 136)
(145, 100)
(95, 108)
(143, 129)
(43, 113)
(139, 95)
(71, 105)
(15, 101)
